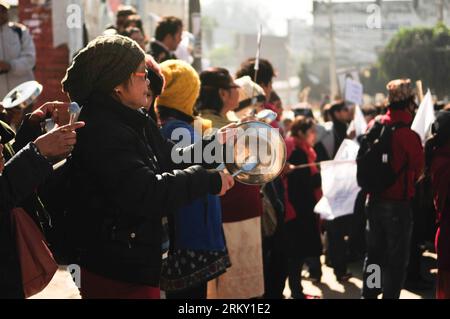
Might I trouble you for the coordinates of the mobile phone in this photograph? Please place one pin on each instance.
(74, 110)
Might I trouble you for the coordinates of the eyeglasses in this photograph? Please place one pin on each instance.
(143, 75)
(232, 86)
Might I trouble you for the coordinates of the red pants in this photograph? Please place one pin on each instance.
(97, 287)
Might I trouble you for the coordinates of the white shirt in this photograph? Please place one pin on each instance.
(19, 53)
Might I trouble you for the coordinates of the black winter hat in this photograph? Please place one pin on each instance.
(104, 63)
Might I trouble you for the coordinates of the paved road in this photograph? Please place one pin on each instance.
(62, 286)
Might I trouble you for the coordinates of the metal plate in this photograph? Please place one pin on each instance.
(23, 95)
(260, 140)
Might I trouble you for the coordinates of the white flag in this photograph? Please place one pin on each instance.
(339, 184)
(424, 117)
(359, 122)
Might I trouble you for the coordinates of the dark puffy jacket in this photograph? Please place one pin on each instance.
(22, 175)
(122, 182)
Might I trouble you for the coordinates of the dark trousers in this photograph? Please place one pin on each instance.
(415, 256)
(275, 267)
(314, 267)
(388, 244)
(357, 241)
(294, 277)
(337, 229)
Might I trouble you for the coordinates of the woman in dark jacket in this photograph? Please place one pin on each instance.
(23, 173)
(123, 174)
(304, 191)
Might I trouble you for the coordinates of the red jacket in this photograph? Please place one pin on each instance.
(440, 176)
(406, 148)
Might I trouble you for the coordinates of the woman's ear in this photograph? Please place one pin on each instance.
(222, 93)
(118, 90)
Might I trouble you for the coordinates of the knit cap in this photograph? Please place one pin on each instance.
(104, 63)
(182, 86)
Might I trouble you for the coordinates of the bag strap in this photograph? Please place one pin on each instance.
(18, 30)
(375, 131)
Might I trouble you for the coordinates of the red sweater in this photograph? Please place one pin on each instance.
(241, 202)
(406, 148)
(440, 177)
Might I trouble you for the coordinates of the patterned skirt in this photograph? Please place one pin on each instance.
(184, 269)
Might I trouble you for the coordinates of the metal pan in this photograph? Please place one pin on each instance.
(23, 95)
(256, 140)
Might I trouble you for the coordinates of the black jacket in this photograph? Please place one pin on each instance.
(21, 176)
(122, 183)
(160, 53)
(303, 232)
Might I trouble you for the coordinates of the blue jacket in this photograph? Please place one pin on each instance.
(198, 225)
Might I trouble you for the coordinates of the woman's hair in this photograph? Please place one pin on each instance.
(166, 113)
(125, 11)
(265, 74)
(301, 125)
(156, 87)
(212, 80)
(274, 97)
(168, 26)
(441, 136)
(337, 106)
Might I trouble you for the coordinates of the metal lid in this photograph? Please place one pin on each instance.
(256, 140)
(23, 95)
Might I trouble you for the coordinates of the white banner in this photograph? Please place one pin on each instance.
(424, 117)
(339, 184)
(353, 91)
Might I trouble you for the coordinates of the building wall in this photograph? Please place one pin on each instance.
(273, 48)
(100, 14)
(300, 37)
(357, 45)
(51, 63)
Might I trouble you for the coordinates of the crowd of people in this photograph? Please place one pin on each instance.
(141, 225)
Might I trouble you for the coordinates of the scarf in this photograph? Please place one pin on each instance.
(312, 157)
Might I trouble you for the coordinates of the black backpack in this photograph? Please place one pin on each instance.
(374, 170)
